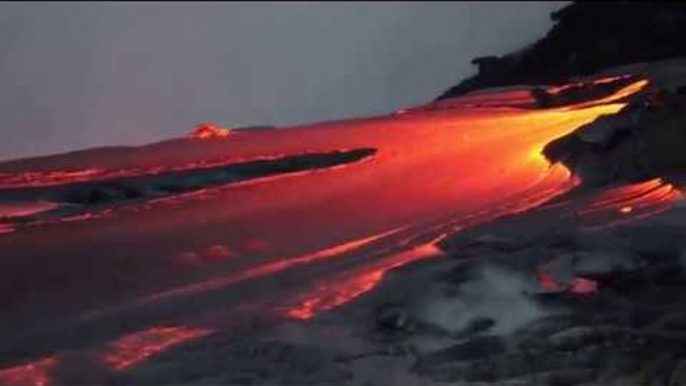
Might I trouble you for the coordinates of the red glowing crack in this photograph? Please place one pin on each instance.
(136, 348)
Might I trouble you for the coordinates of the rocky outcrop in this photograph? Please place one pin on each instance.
(586, 38)
(646, 139)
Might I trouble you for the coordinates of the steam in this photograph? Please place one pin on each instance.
(493, 293)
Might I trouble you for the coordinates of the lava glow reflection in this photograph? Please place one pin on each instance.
(208, 131)
(327, 297)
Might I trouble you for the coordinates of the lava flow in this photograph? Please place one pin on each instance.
(121, 354)
(30, 374)
(138, 347)
(338, 230)
(628, 202)
(333, 292)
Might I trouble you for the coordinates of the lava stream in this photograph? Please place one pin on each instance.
(333, 292)
(221, 282)
(120, 354)
(135, 348)
(30, 374)
(461, 164)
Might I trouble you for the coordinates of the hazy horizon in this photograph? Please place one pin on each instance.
(101, 74)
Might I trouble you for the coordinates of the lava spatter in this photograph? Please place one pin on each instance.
(628, 202)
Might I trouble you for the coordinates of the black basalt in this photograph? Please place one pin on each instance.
(587, 37)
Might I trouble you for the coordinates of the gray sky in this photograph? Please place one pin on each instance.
(75, 75)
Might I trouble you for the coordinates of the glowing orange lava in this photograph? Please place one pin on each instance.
(478, 162)
(340, 295)
(490, 111)
(208, 131)
(333, 292)
(36, 179)
(632, 201)
(31, 374)
(140, 346)
(451, 164)
(121, 354)
(605, 80)
(457, 163)
(611, 79)
(627, 91)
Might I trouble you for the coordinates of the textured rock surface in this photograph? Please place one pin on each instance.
(646, 139)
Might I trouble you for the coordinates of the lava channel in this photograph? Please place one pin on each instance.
(628, 202)
(466, 162)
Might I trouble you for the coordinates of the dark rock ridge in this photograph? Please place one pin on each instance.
(587, 37)
(83, 197)
(644, 140)
(164, 184)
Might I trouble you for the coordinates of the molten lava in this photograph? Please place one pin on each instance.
(626, 209)
(336, 232)
(631, 201)
(138, 347)
(327, 297)
(600, 81)
(208, 131)
(121, 354)
(30, 374)
(333, 292)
